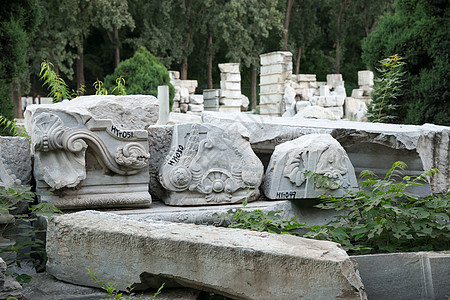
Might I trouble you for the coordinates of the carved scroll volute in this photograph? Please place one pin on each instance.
(47, 132)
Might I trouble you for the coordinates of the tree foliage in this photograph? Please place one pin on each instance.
(418, 31)
(143, 74)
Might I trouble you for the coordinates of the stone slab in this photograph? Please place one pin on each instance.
(370, 146)
(230, 85)
(195, 107)
(365, 78)
(229, 68)
(132, 112)
(270, 98)
(278, 78)
(211, 93)
(415, 275)
(276, 57)
(306, 77)
(275, 68)
(211, 102)
(230, 77)
(253, 265)
(180, 118)
(271, 89)
(230, 102)
(196, 99)
(334, 80)
(230, 94)
(270, 109)
(191, 85)
(229, 109)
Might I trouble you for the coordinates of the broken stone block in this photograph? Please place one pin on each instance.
(230, 94)
(230, 85)
(355, 109)
(15, 161)
(196, 99)
(324, 90)
(273, 79)
(315, 112)
(230, 77)
(334, 80)
(236, 263)
(229, 68)
(245, 103)
(9, 287)
(272, 89)
(83, 162)
(306, 77)
(230, 102)
(294, 166)
(229, 109)
(365, 78)
(184, 107)
(210, 165)
(273, 109)
(195, 107)
(276, 58)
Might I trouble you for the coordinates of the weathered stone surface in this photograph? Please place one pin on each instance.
(253, 265)
(230, 102)
(328, 101)
(276, 78)
(195, 107)
(365, 78)
(276, 57)
(355, 109)
(315, 112)
(334, 80)
(230, 77)
(81, 161)
(271, 88)
(9, 287)
(196, 99)
(159, 139)
(370, 146)
(133, 112)
(46, 287)
(270, 108)
(287, 174)
(229, 68)
(229, 109)
(211, 94)
(230, 94)
(415, 275)
(15, 161)
(306, 77)
(270, 98)
(210, 165)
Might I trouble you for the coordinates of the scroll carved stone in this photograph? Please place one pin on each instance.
(308, 167)
(61, 142)
(210, 165)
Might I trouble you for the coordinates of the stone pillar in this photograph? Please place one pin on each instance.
(211, 99)
(230, 86)
(276, 68)
(163, 97)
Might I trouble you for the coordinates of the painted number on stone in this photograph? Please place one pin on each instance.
(176, 157)
(286, 195)
(122, 134)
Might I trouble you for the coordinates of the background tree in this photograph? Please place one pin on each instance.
(19, 20)
(418, 31)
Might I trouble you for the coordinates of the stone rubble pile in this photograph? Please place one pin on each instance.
(211, 99)
(9, 287)
(356, 105)
(185, 99)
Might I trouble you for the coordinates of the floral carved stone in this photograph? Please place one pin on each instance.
(210, 165)
(307, 167)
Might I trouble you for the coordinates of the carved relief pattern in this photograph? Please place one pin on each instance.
(51, 136)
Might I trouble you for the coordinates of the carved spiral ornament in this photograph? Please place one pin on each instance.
(180, 177)
(132, 155)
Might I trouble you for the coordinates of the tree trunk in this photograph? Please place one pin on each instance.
(80, 66)
(299, 56)
(338, 35)
(286, 23)
(117, 47)
(17, 101)
(210, 63)
(253, 102)
(184, 69)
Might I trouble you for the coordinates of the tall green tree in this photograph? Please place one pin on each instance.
(19, 20)
(418, 31)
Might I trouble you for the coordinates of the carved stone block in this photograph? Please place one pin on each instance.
(210, 165)
(83, 162)
(307, 167)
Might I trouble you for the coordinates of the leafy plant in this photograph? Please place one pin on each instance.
(59, 90)
(257, 220)
(10, 127)
(382, 216)
(120, 86)
(387, 87)
(99, 88)
(114, 293)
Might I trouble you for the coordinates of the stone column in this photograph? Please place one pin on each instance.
(211, 99)
(230, 86)
(276, 68)
(163, 97)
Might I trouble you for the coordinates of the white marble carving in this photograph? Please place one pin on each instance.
(307, 167)
(210, 165)
(84, 162)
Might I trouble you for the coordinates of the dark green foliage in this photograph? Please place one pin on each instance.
(381, 216)
(143, 74)
(418, 31)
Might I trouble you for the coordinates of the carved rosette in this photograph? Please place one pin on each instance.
(209, 165)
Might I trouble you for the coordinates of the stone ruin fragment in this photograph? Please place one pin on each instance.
(210, 165)
(307, 167)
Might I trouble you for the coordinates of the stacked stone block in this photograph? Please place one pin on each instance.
(211, 99)
(276, 69)
(356, 105)
(230, 88)
(184, 89)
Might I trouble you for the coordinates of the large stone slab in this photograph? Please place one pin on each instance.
(132, 112)
(208, 165)
(292, 165)
(398, 276)
(370, 146)
(84, 162)
(235, 263)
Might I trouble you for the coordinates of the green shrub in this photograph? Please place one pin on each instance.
(143, 74)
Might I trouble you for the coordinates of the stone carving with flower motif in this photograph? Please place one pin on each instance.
(210, 165)
(307, 167)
